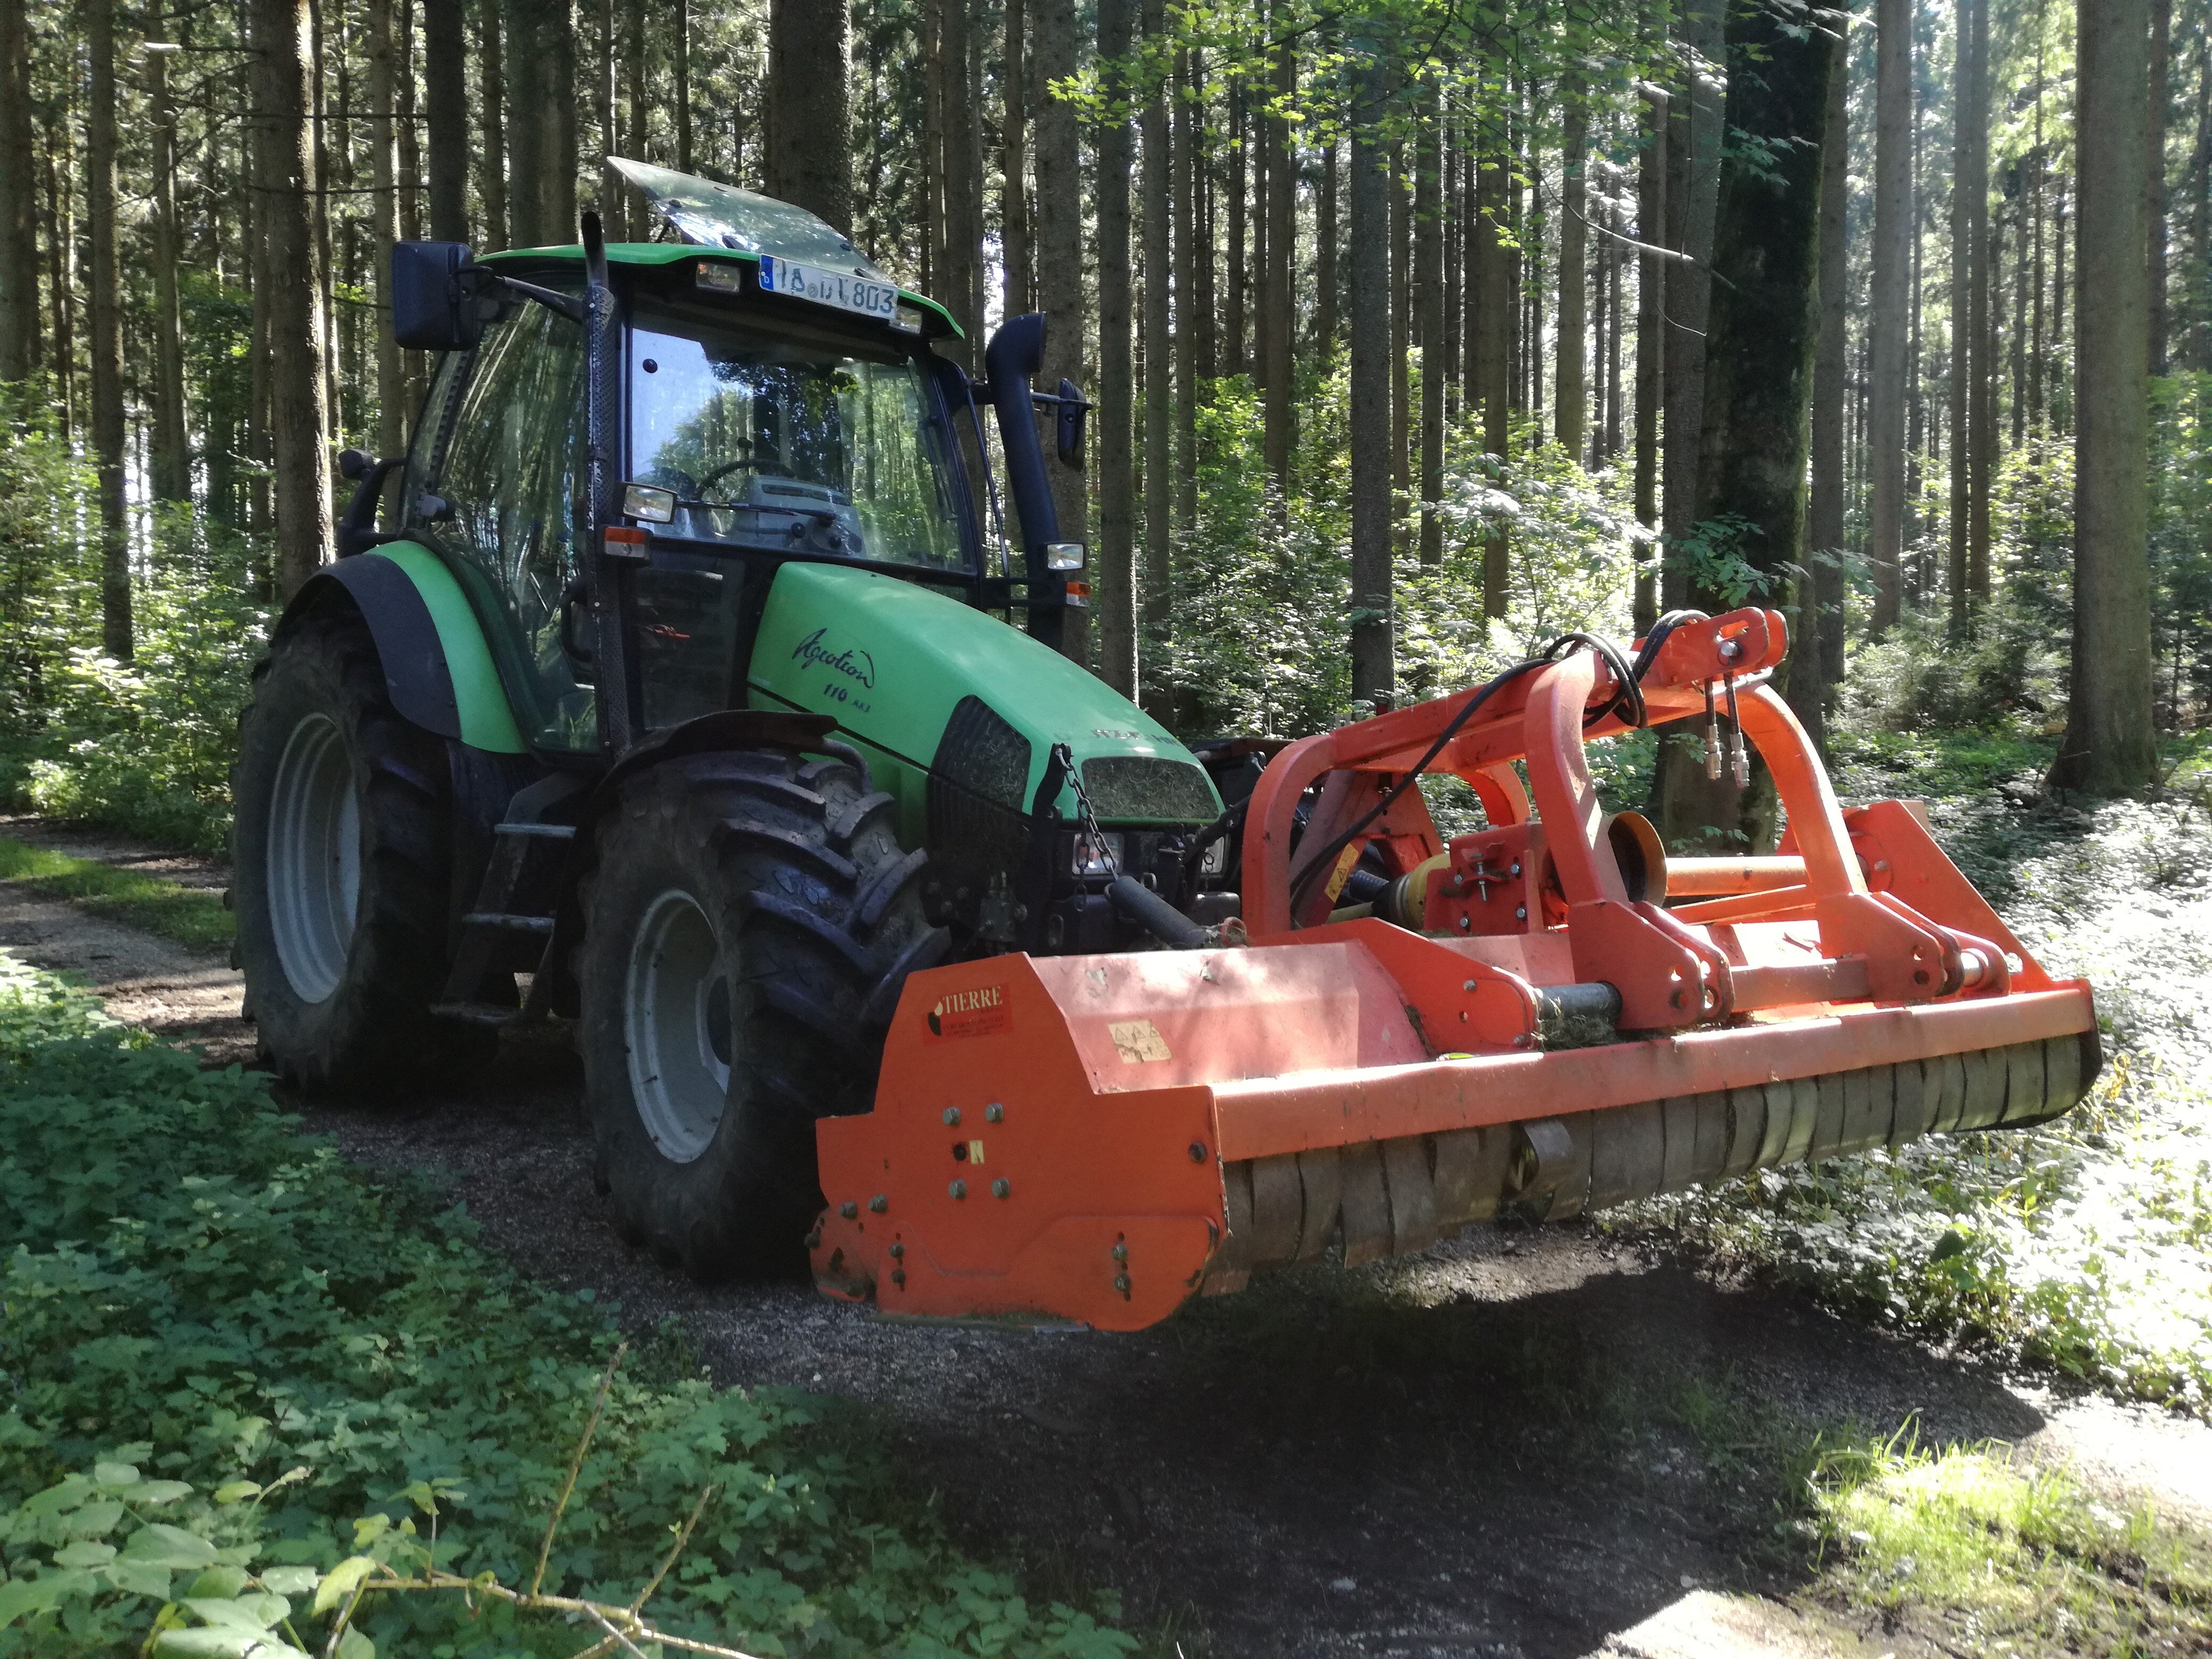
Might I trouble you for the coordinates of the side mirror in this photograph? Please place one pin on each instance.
(354, 464)
(1070, 426)
(433, 308)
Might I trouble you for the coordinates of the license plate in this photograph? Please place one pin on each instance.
(829, 288)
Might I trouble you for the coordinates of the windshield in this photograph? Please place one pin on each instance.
(777, 442)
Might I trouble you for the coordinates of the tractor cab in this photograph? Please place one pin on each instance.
(770, 396)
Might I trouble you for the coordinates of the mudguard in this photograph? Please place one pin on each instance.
(438, 669)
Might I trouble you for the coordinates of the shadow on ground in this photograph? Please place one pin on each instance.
(1515, 1446)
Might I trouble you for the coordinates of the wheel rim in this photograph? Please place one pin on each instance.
(676, 1013)
(314, 858)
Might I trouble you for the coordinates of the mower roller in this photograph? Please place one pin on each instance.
(683, 686)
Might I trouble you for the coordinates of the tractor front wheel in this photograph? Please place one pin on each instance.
(741, 910)
(342, 849)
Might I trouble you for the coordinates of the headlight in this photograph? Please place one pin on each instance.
(1064, 555)
(1092, 857)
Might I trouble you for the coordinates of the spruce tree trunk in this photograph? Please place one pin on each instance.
(1889, 308)
(1401, 346)
(171, 473)
(1760, 344)
(491, 127)
(1373, 672)
(1489, 292)
(1190, 248)
(1981, 411)
(1059, 262)
(1429, 320)
(929, 172)
(1571, 406)
(1816, 665)
(527, 120)
(2109, 747)
(810, 156)
(1692, 196)
(384, 221)
(1205, 312)
(964, 180)
(1116, 583)
(1327, 282)
(2161, 31)
(1277, 317)
(679, 52)
(1233, 360)
(1013, 167)
(557, 189)
(1157, 192)
(1650, 347)
(104, 346)
(18, 206)
(298, 419)
(446, 113)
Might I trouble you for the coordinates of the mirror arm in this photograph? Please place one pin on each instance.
(567, 305)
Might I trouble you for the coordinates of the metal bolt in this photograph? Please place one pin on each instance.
(951, 1117)
(1001, 1187)
(848, 1209)
(1198, 1152)
(1121, 1253)
(814, 1241)
(958, 1190)
(1465, 923)
(1520, 913)
(1523, 1040)
(1121, 1283)
(897, 1249)
(898, 1275)
(1516, 867)
(1469, 986)
(878, 1204)
(994, 1113)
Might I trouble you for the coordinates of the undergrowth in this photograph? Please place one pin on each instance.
(1968, 1547)
(229, 1364)
(2080, 1245)
(193, 916)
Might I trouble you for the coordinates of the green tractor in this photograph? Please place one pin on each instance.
(683, 682)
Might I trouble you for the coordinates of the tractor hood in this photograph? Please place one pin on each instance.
(958, 712)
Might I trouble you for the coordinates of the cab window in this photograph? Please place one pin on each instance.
(508, 498)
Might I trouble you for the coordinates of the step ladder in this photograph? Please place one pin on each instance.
(509, 929)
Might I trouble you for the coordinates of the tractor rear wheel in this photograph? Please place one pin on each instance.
(741, 911)
(340, 849)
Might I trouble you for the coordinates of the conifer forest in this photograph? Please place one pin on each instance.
(1406, 345)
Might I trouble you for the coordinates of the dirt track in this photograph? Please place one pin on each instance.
(1477, 1452)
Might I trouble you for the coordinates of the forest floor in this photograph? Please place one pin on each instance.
(1626, 1439)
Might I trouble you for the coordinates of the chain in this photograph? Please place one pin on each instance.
(1089, 817)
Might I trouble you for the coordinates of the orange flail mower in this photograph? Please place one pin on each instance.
(1548, 1015)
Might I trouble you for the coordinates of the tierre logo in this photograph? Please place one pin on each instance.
(970, 1014)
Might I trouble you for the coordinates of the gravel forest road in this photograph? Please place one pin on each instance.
(1481, 1451)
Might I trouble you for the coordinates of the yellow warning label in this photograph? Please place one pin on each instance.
(1137, 1041)
(1342, 872)
(975, 1152)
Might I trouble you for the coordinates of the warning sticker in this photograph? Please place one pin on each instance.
(1137, 1041)
(972, 1014)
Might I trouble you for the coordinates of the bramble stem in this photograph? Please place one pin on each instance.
(575, 1466)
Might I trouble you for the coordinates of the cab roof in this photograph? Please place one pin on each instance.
(725, 222)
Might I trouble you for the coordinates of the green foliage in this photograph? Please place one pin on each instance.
(230, 1365)
(2079, 1245)
(1262, 610)
(193, 916)
(143, 746)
